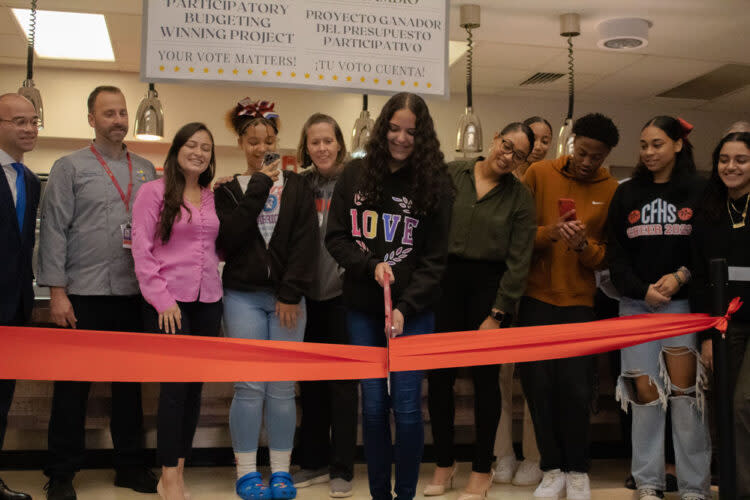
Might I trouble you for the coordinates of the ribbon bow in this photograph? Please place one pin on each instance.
(264, 109)
(686, 127)
(723, 322)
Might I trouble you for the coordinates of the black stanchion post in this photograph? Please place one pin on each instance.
(724, 422)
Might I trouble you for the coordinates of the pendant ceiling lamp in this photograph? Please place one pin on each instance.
(149, 119)
(28, 90)
(469, 136)
(361, 131)
(570, 26)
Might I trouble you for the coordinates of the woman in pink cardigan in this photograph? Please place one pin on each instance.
(174, 248)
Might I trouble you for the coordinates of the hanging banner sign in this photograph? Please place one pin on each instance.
(362, 46)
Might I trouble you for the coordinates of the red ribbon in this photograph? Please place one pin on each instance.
(723, 322)
(63, 354)
(686, 127)
(256, 109)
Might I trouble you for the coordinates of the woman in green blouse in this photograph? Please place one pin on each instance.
(491, 240)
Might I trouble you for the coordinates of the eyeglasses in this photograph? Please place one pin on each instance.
(22, 122)
(506, 147)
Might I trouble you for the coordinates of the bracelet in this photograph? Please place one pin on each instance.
(677, 278)
(686, 272)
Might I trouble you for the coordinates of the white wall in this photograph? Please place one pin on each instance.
(65, 92)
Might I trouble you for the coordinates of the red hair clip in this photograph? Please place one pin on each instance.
(686, 127)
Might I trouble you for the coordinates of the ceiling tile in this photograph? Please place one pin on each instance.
(650, 76)
(512, 56)
(591, 61)
(737, 101)
(8, 23)
(671, 103)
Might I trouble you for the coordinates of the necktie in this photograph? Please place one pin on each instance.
(20, 194)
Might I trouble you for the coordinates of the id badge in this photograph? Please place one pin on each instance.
(127, 235)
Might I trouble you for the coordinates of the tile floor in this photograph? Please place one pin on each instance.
(216, 483)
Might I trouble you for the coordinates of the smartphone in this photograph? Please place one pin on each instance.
(565, 205)
(270, 157)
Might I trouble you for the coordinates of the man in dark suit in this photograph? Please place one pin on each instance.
(19, 198)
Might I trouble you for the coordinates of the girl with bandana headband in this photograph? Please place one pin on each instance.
(269, 235)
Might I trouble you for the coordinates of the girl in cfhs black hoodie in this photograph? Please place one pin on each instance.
(650, 221)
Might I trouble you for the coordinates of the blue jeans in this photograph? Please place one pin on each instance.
(692, 444)
(252, 315)
(406, 402)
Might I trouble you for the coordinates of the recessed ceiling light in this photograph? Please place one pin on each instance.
(68, 35)
(623, 33)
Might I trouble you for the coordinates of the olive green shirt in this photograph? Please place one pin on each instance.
(499, 227)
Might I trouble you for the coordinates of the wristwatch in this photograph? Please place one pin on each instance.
(505, 319)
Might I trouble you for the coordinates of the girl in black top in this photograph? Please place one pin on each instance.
(389, 220)
(722, 231)
(650, 222)
(269, 234)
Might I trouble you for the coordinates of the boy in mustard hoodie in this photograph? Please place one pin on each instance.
(561, 286)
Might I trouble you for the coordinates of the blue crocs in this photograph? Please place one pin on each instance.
(282, 486)
(251, 487)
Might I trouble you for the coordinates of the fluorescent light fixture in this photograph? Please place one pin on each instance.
(68, 35)
(456, 50)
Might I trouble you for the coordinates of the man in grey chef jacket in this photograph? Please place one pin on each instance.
(85, 259)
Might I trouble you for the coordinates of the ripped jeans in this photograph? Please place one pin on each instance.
(692, 443)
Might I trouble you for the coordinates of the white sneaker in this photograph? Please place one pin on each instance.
(552, 485)
(528, 474)
(649, 494)
(577, 486)
(505, 469)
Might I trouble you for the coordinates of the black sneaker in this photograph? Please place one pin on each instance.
(60, 489)
(630, 482)
(671, 482)
(140, 479)
(8, 494)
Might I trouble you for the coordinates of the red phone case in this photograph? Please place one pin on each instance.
(565, 205)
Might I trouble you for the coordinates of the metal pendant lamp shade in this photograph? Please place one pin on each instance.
(27, 89)
(30, 92)
(570, 26)
(361, 131)
(469, 135)
(149, 119)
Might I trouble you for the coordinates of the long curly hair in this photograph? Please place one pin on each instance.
(716, 194)
(174, 179)
(429, 181)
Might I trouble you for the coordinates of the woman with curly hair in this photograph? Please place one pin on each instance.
(269, 234)
(389, 220)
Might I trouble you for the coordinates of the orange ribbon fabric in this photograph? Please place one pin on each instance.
(63, 354)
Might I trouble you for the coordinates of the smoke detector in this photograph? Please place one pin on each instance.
(630, 33)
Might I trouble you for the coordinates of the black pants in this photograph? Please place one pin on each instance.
(66, 435)
(328, 432)
(738, 339)
(7, 387)
(559, 392)
(469, 288)
(180, 402)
